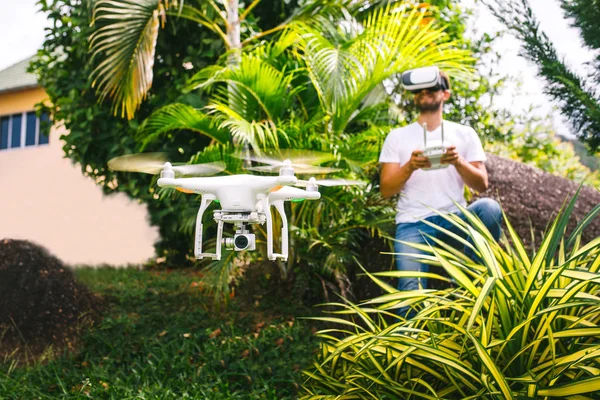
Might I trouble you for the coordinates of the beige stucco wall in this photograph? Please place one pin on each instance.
(46, 199)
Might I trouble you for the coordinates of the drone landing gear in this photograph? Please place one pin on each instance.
(206, 200)
(284, 232)
(242, 239)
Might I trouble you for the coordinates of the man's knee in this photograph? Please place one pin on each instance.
(490, 213)
(488, 209)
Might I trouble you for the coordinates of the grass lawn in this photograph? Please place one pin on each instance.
(159, 338)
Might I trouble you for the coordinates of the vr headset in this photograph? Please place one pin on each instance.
(415, 80)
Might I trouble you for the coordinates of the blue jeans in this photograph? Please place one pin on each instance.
(487, 210)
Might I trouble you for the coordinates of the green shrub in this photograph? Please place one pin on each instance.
(514, 326)
(535, 143)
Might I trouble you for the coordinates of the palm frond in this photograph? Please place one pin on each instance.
(206, 14)
(177, 116)
(347, 61)
(250, 99)
(258, 134)
(332, 68)
(254, 88)
(125, 41)
(205, 78)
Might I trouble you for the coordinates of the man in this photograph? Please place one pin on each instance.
(403, 173)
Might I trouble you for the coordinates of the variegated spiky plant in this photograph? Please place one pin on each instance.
(515, 325)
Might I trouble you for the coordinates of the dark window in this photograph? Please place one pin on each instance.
(16, 130)
(24, 129)
(44, 129)
(30, 129)
(4, 133)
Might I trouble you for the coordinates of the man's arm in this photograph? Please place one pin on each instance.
(393, 177)
(474, 173)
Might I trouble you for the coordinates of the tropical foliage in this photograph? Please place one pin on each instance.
(515, 325)
(317, 86)
(95, 135)
(578, 98)
(283, 97)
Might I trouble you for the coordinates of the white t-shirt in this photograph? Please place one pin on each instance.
(436, 188)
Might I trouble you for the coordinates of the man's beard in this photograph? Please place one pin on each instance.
(429, 107)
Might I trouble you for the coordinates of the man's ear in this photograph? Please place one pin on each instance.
(447, 95)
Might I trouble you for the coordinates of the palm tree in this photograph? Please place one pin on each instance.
(125, 39)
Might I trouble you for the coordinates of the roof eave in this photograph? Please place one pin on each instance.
(19, 88)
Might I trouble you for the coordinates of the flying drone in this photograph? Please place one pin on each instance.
(245, 199)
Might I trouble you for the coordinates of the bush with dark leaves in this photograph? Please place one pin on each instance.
(41, 303)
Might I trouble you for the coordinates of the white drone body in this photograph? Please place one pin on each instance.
(245, 200)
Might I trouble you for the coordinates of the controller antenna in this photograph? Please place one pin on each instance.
(442, 132)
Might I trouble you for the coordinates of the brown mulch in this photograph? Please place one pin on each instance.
(41, 303)
(531, 198)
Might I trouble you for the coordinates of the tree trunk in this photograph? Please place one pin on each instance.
(235, 55)
(233, 32)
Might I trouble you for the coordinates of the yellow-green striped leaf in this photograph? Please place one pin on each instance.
(457, 274)
(591, 385)
(483, 295)
(491, 367)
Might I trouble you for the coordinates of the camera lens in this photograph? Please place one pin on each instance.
(241, 241)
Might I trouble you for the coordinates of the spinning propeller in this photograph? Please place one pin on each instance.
(302, 162)
(328, 182)
(154, 163)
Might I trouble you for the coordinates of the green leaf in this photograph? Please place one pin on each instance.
(457, 274)
(591, 385)
(491, 367)
(177, 117)
(126, 43)
(483, 295)
(583, 224)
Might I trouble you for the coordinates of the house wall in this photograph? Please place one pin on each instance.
(46, 199)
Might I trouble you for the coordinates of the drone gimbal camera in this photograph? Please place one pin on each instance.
(242, 240)
(245, 199)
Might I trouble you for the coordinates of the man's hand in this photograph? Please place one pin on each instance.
(451, 157)
(418, 161)
(393, 176)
